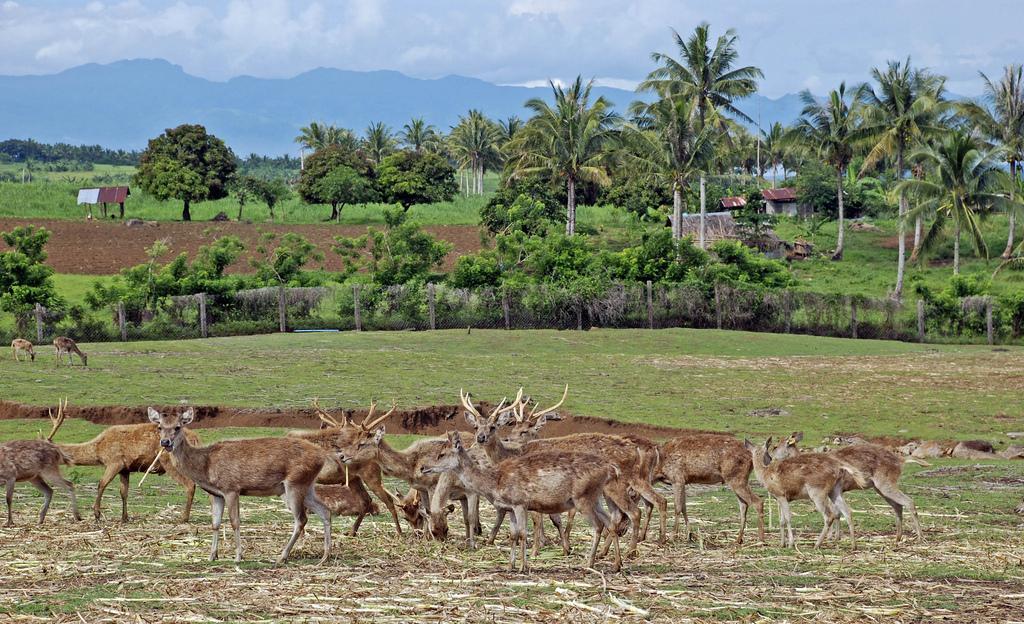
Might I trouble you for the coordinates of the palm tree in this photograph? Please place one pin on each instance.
(965, 181)
(905, 109)
(509, 128)
(318, 135)
(774, 149)
(1000, 117)
(706, 76)
(829, 128)
(418, 134)
(474, 144)
(379, 141)
(568, 139)
(668, 145)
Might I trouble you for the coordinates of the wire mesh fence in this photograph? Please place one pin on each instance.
(424, 307)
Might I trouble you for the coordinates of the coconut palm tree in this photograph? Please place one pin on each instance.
(319, 135)
(705, 75)
(773, 149)
(569, 138)
(1000, 117)
(829, 129)
(379, 141)
(668, 144)
(966, 180)
(418, 135)
(904, 108)
(474, 143)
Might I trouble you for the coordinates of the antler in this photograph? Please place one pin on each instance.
(325, 417)
(468, 404)
(57, 420)
(535, 415)
(367, 424)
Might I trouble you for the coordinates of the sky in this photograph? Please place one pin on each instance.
(799, 44)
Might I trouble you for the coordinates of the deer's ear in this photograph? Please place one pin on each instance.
(457, 441)
(378, 435)
(797, 436)
(470, 418)
(154, 416)
(747, 444)
(768, 443)
(188, 416)
(505, 419)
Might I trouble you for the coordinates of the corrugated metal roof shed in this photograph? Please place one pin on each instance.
(733, 202)
(114, 194)
(780, 194)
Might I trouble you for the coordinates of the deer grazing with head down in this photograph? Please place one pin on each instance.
(815, 476)
(882, 468)
(20, 345)
(38, 462)
(543, 482)
(710, 459)
(230, 469)
(66, 346)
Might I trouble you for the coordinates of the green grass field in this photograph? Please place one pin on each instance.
(968, 568)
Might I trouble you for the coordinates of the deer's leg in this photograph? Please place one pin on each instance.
(47, 491)
(54, 476)
(569, 517)
(898, 500)
(217, 512)
(618, 494)
(653, 499)
(844, 510)
(9, 497)
(563, 535)
(828, 514)
(295, 496)
(784, 522)
(497, 525)
(373, 481)
(314, 503)
(234, 516)
(185, 482)
(124, 495)
(472, 518)
(520, 518)
(109, 473)
(747, 497)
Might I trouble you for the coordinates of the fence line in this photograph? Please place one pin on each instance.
(431, 306)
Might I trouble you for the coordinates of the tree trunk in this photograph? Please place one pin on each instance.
(677, 211)
(901, 260)
(703, 214)
(918, 234)
(570, 208)
(956, 250)
(185, 214)
(838, 255)
(1012, 214)
(774, 174)
(335, 213)
(239, 212)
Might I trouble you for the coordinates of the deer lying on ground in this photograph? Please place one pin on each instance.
(20, 345)
(38, 462)
(230, 469)
(66, 346)
(124, 449)
(710, 459)
(544, 482)
(882, 468)
(815, 476)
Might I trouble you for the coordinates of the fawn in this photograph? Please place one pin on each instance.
(256, 467)
(20, 345)
(66, 346)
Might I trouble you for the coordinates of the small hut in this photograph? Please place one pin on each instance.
(717, 226)
(104, 195)
(782, 201)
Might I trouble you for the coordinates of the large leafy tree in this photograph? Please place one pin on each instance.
(966, 180)
(568, 139)
(25, 280)
(188, 164)
(668, 145)
(1000, 117)
(903, 108)
(337, 176)
(411, 178)
(829, 128)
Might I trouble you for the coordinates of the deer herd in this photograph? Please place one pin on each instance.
(608, 479)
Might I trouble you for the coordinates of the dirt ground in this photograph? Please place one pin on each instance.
(104, 248)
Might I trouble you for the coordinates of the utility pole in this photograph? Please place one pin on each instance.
(302, 159)
(759, 173)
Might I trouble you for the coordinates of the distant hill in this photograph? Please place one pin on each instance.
(123, 104)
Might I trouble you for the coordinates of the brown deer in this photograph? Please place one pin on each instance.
(710, 459)
(347, 500)
(124, 449)
(815, 476)
(20, 345)
(38, 462)
(543, 482)
(882, 468)
(66, 346)
(230, 469)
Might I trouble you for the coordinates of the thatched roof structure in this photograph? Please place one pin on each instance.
(718, 226)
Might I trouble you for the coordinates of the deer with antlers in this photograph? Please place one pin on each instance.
(20, 345)
(882, 468)
(544, 482)
(38, 462)
(230, 469)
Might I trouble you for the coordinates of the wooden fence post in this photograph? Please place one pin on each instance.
(430, 305)
(650, 306)
(853, 316)
(122, 322)
(988, 321)
(787, 310)
(718, 306)
(282, 309)
(39, 324)
(355, 305)
(920, 320)
(204, 330)
(505, 309)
